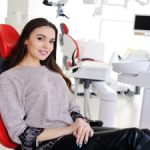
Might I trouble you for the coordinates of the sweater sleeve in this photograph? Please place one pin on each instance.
(73, 107)
(75, 115)
(11, 107)
(28, 138)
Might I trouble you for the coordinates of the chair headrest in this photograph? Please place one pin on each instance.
(64, 28)
(8, 39)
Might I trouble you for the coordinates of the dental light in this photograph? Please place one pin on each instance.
(59, 5)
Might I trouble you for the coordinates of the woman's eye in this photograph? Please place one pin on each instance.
(40, 38)
(52, 41)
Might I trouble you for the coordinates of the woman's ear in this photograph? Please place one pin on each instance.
(26, 42)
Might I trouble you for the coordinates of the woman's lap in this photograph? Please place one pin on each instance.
(109, 139)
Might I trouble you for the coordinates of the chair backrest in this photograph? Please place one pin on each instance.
(8, 38)
(69, 46)
(82, 51)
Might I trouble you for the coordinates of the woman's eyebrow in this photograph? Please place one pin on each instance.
(40, 35)
(44, 36)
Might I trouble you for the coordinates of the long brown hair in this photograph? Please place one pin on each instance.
(20, 50)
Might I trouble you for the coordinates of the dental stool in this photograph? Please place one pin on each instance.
(8, 39)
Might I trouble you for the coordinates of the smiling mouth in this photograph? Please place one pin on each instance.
(43, 52)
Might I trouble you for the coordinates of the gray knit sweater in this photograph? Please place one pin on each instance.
(36, 97)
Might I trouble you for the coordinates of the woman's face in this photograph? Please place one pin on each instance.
(40, 43)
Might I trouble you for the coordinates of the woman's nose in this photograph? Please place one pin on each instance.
(46, 44)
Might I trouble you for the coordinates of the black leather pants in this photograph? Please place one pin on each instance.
(109, 139)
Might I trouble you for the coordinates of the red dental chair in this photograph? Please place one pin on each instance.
(69, 47)
(8, 39)
(71, 60)
(91, 71)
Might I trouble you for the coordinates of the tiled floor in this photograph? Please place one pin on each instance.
(127, 111)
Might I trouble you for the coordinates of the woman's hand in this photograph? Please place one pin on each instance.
(82, 131)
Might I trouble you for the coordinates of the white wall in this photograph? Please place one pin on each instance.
(3, 10)
(81, 22)
(116, 28)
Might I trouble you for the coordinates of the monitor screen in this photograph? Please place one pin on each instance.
(142, 22)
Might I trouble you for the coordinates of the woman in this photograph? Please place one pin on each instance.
(37, 106)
